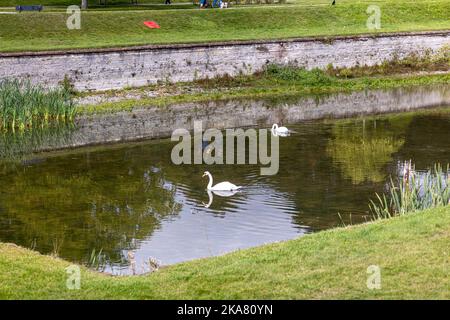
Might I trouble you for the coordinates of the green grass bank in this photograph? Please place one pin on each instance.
(112, 28)
(412, 253)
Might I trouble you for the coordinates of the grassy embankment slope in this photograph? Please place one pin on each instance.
(111, 28)
(412, 252)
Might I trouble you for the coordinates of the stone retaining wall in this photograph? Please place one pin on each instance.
(104, 69)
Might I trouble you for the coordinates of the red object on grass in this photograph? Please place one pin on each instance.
(152, 24)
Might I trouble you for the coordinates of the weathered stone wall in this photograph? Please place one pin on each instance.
(104, 69)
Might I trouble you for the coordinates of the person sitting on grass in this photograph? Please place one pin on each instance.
(219, 4)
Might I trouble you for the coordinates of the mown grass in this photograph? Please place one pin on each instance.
(126, 3)
(411, 251)
(92, 3)
(48, 31)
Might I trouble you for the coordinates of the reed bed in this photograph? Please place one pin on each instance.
(414, 191)
(25, 106)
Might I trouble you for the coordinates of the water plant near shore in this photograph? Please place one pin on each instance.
(414, 191)
(97, 260)
(24, 105)
(314, 77)
(16, 146)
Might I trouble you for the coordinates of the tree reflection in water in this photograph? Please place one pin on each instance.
(362, 148)
(131, 198)
(83, 205)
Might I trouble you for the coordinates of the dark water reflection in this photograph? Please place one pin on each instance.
(130, 198)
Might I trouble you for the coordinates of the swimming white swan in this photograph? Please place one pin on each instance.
(279, 131)
(223, 186)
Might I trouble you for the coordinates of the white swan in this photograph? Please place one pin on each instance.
(223, 186)
(279, 131)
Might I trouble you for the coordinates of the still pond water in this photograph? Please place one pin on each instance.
(127, 201)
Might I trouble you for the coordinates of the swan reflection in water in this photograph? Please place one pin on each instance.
(221, 193)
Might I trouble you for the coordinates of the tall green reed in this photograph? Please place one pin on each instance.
(97, 260)
(24, 105)
(414, 192)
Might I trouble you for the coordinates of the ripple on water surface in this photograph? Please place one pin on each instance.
(130, 200)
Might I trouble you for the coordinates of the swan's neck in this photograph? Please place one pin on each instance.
(210, 181)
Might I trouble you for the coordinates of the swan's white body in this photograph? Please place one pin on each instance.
(222, 186)
(279, 131)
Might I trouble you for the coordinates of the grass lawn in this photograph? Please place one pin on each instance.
(61, 5)
(108, 28)
(92, 3)
(412, 252)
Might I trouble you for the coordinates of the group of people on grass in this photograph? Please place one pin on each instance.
(216, 4)
(205, 4)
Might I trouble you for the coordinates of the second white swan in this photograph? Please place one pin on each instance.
(222, 186)
(279, 131)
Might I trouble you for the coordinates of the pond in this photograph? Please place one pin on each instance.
(128, 203)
